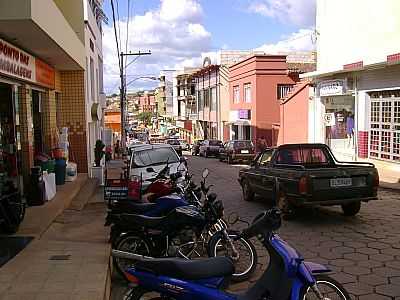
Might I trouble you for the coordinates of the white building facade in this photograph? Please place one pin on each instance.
(356, 108)
(94, 93)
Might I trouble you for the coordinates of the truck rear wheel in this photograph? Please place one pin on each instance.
(351, 209)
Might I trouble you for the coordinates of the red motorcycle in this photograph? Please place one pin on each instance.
(161, 185)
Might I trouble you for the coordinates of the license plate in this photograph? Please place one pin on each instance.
(339, 182)
(244, 151)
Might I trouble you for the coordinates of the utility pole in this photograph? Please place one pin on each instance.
(123, 93)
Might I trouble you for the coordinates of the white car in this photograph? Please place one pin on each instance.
(149, 159)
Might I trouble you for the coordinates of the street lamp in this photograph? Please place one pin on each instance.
(141, 77)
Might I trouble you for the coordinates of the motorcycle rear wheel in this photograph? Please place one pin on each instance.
(329, 288)
(133, 244)
(139, 293)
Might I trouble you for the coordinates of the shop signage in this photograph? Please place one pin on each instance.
(96, 112)
(329, 119)
(331, 87)
(180, 124)
(18, 64)
(244, 114)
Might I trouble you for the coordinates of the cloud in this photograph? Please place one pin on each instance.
(173, 32)
(297, 12)
(297, 41)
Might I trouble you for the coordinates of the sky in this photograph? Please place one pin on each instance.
(180, 33)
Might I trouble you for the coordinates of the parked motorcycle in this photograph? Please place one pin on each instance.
(287, 276)
(185, 232)
(12, 207)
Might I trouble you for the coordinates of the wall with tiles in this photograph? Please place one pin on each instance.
(25, 114)
(49, 121)
(72, 114)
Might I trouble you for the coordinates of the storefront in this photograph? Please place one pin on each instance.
(240, 128)
(25, 127)
(339, 116)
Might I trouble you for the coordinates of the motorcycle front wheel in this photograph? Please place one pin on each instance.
(329, 288)
(139, 293)
(245, 264)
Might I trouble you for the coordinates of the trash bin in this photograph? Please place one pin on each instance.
(60, 169)
(36, 194)
(48, 166)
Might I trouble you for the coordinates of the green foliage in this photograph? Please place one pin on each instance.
(145, 117)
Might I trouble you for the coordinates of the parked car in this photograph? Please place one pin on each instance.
(184, 144)
(237, 150)
(147, 160)
(210, 147)
(296, 175)
(196, 147)
(176, 145)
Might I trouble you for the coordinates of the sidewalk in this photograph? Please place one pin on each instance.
(389, 174)
(68, 260)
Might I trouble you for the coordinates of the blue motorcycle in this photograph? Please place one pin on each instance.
(287, 276)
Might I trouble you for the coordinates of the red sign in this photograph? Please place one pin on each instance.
(352, 66)
(44, 74)
(394, 58)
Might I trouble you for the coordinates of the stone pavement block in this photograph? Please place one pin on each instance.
(53, 296)
(87, 295)
(18, 296)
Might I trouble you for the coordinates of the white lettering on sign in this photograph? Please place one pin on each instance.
(331, 88)
(16, 63)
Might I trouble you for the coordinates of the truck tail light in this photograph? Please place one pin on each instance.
(303, 185)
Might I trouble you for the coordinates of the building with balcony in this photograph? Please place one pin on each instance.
(47, 80)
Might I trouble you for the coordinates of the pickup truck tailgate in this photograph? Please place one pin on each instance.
(341, 183)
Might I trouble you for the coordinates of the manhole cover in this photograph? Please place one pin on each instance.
(11, 246)
(60, 257)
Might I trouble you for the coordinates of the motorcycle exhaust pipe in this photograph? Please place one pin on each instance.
(127, 255)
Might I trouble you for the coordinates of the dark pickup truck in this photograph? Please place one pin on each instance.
(295, 175)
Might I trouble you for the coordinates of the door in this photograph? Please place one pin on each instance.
(261, 178)
(385, 129)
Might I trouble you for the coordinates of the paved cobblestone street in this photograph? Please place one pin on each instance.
(363, 251)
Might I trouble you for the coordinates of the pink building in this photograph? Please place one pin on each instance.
(294, 114)
(256, 85)
(147, 102)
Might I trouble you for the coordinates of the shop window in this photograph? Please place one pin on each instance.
(236, 94)
(214, 98)
(283, 90)
(247, 92)
(91, 79)
(207, 97)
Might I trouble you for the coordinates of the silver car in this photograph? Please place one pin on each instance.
(149, 159)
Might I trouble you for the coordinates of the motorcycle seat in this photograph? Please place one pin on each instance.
(188, 269)
(132, 207)
(140, 220)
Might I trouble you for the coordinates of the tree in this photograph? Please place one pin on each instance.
(145, 117)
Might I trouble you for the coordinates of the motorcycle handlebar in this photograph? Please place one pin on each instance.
(266, 222)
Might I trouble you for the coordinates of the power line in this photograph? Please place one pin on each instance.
(119, 27)
(127, 28)
(115, 33)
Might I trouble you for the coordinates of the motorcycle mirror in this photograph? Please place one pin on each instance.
(205, 173)
(150, 170)
(233, 218)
